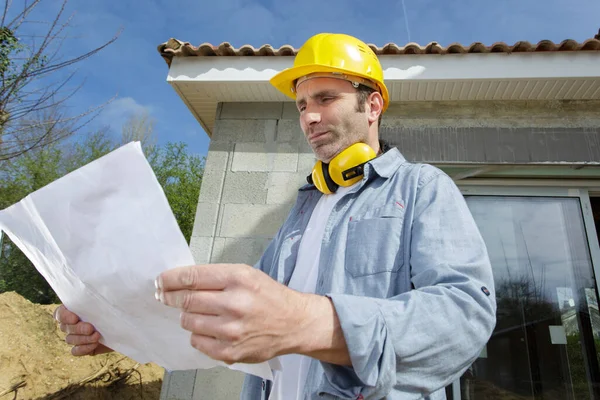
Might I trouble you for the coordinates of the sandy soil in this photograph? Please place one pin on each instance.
(34, 356)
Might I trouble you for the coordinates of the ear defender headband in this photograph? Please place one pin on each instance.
(345, 169)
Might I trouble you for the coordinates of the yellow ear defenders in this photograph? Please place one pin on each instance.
(345, 169)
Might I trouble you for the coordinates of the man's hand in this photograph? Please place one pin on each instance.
(239, 314)
(82, 335)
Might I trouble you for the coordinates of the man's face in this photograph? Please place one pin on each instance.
(329, 117)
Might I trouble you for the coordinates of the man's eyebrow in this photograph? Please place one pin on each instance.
(324, 93)
(318, 95)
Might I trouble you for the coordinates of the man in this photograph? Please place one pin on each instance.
(377, 285)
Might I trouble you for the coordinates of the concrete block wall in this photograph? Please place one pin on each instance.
(257, 159)
(494, 114)
(495, 132)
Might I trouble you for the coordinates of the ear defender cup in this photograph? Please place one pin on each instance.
(321, 179)
(345, 169)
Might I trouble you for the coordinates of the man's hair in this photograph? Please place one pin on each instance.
(362, 94)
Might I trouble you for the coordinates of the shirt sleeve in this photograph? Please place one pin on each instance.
(422, 340)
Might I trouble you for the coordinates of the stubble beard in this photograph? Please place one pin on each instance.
(326, 151)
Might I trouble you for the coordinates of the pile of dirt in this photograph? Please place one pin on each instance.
(36, 363)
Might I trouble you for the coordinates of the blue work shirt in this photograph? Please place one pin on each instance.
(410, 279)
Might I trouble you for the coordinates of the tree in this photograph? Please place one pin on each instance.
(140, 127)
(180, 175)
(178, 172)
(27, 62)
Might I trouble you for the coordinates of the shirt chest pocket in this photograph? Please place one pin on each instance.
(375, 241)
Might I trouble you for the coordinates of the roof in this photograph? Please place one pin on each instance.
(177, 48)
(204, 76)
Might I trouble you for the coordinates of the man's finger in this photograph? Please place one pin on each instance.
(205, 325)
(198, 277)
(80, 328)
(84, 350)
(214, 348)
(201, 302)
(78, 340)
(64, 316)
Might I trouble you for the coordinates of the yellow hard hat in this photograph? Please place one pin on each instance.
(336, 55)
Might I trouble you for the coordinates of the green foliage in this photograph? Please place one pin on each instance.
(178, 172)
(180, 175)
(579, 379)
(9, 44)
(18, 274)
(13, 67)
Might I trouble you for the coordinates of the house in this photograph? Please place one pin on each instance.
(516, 126)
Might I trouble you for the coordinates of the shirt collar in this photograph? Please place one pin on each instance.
(386, 164)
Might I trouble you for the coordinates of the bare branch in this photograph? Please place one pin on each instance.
(26, 65)
(20, 18)
(37, 105)
(6, 7)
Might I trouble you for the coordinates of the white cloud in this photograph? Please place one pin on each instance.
(119, 110)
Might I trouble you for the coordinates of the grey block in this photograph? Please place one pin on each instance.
(180, 386)
(217, 250)
(201, 247)
(214, 172)
(252, 221)
(244, 130)
(205, 221)
(164, 388)
(265, 157)
(304, 148)
(283, 187)
(248, 110)
(218, 384)
(290, 111)
(240, 250)
(245, 187)
(289, 131)
(306, 162)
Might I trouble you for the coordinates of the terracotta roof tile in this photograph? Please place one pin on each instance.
(176, 48)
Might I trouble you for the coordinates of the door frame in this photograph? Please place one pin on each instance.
(542, 188)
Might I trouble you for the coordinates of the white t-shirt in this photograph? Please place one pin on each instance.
(288, 383)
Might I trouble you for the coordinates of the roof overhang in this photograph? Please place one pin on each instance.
(203, 82)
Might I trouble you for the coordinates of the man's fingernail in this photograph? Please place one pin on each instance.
(162, 297)
(158, 283)
(157, 296)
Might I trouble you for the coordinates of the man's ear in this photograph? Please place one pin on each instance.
(375, 102)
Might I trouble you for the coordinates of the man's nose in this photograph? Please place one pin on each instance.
(311, 118)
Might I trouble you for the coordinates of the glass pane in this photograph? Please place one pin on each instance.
(543, 346)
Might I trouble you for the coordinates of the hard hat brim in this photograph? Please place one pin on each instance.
(284, 81)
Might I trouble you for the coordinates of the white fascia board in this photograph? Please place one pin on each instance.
(447, 67)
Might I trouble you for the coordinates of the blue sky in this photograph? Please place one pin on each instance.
(132, 69)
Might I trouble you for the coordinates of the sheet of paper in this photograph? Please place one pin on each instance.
(100, 236)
